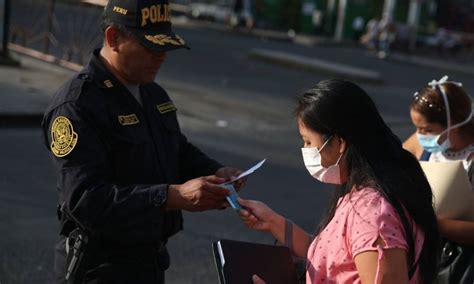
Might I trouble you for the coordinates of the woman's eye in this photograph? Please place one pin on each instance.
(423, 131)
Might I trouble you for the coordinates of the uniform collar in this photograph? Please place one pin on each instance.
(100, 74)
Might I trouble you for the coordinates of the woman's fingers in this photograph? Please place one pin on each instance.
(246, 215)
(248, 219)
(244, 202)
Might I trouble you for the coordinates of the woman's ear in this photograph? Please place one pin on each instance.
(342, 145)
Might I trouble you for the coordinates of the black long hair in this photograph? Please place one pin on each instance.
(374, 158)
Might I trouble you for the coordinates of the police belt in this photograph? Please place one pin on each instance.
(123, 253)
(137, 259)
(143, 255)
(140, 251)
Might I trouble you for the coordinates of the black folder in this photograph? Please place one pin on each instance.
(236, 262)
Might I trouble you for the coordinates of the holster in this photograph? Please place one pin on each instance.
(78, 249)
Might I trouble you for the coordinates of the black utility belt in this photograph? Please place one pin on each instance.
(149, 249)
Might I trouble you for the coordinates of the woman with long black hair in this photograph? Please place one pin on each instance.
(380, 226)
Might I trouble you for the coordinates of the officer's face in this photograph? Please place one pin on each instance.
(138, 65)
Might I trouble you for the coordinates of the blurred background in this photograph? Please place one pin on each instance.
(235, 92)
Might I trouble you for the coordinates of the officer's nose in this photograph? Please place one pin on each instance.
(158, 56)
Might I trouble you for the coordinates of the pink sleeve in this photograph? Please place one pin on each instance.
(372, 216)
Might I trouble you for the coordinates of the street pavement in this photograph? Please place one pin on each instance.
(236, 108)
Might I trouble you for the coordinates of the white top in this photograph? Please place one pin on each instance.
(466, 155)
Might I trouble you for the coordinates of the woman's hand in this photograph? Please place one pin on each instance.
(258, 216)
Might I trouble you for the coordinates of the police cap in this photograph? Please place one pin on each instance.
(148, 20)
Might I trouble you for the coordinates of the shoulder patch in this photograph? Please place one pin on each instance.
(166, 107)
(63, 137)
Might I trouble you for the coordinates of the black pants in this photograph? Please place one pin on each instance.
(110, 273)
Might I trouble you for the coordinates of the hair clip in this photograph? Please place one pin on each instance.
(441, 81)
(426, 101)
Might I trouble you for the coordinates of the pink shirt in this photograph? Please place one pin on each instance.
(360, 218)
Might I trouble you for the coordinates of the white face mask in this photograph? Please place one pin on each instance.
(312, 161)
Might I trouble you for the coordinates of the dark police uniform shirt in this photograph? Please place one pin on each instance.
(115, 158)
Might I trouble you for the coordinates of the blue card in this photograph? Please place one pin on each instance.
(232, 198)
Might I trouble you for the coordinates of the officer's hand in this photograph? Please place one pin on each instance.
(229, 173)
(197, 194)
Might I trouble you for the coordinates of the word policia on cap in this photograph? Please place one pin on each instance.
(156, 13)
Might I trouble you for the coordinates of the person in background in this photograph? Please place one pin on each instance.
(443, 117)
(242, 14)
(387, 35)
(380, 226)
(371, 38)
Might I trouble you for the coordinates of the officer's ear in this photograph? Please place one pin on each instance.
(112, 38)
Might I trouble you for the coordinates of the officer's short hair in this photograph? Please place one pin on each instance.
(108, 23)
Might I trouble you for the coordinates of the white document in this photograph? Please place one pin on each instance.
(452, 194)
(232, 198)
(247, 172)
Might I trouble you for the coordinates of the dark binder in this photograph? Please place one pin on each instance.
(236, 262)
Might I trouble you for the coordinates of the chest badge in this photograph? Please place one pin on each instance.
(63, 137)
(166, 107)
(130, 119)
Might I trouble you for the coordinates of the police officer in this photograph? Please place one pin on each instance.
(124, 169)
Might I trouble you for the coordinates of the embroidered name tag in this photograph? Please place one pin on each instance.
(166, 107)
(130, 119)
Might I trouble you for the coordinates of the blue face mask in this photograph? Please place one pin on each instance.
(430, 142)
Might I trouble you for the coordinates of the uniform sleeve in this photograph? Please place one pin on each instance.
(84, 176)
(194, 162)
(372, 217)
